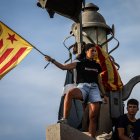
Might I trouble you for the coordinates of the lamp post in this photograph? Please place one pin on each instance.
(95, 30)
(94, 27)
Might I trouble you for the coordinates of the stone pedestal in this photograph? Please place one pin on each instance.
(65, 132)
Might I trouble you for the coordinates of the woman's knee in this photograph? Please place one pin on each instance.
(74, 94)
(70, 94)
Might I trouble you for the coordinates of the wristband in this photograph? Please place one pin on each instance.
(52, 60)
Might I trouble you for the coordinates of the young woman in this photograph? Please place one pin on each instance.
(88, 81)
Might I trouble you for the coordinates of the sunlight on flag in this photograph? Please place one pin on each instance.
(13, 48)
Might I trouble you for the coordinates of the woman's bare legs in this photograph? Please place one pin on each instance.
(72, 94)
(94, 109)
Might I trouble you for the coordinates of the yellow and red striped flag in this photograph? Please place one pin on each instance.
(13, 48)
(110, 76)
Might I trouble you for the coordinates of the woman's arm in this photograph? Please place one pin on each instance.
(101, 87)
(59, 65)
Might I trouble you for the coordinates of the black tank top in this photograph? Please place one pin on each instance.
(87, 71)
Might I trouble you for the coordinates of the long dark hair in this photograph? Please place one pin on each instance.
(85, 47)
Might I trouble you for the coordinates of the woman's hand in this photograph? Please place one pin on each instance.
(48, 58)
(59, 65)
(106, 99)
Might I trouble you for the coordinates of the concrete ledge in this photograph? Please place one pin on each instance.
(65, 132)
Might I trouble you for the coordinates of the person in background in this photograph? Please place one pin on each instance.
(88, 87)
(128, 126)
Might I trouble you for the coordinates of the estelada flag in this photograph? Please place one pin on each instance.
(110, 76)
(13, 49)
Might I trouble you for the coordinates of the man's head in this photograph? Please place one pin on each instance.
(133, 102)
(132, 106)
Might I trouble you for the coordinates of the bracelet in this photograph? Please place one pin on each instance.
(53, 60)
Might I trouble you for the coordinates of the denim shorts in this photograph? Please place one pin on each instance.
(90, 92)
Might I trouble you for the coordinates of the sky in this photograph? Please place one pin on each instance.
(29, 94)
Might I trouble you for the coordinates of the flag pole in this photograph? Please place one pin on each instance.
(24, 39)
(40, 53)
(36, 49)
(27, 42)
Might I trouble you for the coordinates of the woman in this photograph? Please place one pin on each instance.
(88, 80)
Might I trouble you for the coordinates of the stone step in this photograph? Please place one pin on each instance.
(65, 132)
